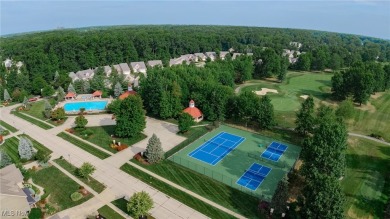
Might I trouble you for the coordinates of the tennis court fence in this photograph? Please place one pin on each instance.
(214, 175)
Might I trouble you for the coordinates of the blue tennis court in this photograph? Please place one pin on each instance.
(274, 151)
(254, 176)
(215, 149)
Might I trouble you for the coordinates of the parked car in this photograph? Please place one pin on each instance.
(32, 99)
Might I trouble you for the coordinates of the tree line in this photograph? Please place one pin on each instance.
(71, 50)
(360, 81)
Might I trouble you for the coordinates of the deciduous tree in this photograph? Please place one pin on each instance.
(139, 204)
(130, 120)
(58, 114)
(305, 117)
(80, 122)
(279, 200)
(265, 113)
(185, 122)
(86, 170)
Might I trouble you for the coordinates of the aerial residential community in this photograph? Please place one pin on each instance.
(194, 121)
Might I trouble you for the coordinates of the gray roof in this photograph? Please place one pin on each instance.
(10, 176)
(178, 61)
(73, 76)
(8, 63)
(107, 70)
(124, 67)
(118, 68)
(211, 55)
(235, 55)
(189, 57)
(223, 54)
(200, 55)
(138, 66)
(85, 74)
(153, 63)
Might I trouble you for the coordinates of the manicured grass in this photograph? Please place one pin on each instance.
(7, 126)
(37, 145)
(367, 180)
(36, 110)
(59, 187)
(102, 137)
(107, 212)
(176, 193)
(32, 120)
(10, 147)
(296, 84)
(93, 183)
(86, 147)
(228, 197)
(191, 135)
(122, 204)
(376, 120)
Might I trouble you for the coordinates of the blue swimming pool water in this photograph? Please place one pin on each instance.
(88, 105)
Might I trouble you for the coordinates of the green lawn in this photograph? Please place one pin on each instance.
(59, 187)
(122, 204)
(36, 110)
(37, 145)
(93, 183)
(36, 122)
(86, 147)
(107, 212)
(10, 147)
(367, 180)
(228, 197)
(179, 195)
(191, 135)
(376, 120)
(102, 137)
(8, 126)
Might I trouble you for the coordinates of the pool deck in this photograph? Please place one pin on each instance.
(62, 103)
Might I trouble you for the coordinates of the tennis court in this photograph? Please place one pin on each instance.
(215, 149)
(229, 162)
(254, 176)
(274, 151)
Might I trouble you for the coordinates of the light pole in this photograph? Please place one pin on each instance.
(69, 159)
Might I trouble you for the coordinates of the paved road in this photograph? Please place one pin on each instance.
(368, 137)
(119, 183)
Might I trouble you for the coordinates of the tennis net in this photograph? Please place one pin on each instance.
(275, 149)
(253, 173)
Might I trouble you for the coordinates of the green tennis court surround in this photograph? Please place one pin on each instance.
(236, 163)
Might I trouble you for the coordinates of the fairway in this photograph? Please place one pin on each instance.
(238, 166)
(297, 84)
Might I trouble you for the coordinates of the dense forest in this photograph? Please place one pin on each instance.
(72, 50)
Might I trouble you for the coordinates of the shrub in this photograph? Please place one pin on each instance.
(4, 132)
(76, 196)
(86, 133)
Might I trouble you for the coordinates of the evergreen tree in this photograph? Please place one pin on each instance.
(25, 148)
(279, 200)
(185, 122)
(25, 101)
(60, 94)
(7, 97)
(38, 84)
(86, 87)
(154, 151)
(47, 110)
(118, 89)
(48, 90)
(165, 106)
(130, 120)
(139, 204)
(71, 88)
(5, 160)
(305, 117)
(79, 86)
(56, 76)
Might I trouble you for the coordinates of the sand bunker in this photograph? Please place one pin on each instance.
(304, 96)
(264, 91)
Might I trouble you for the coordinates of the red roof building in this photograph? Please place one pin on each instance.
(97, 93)
(194, 112)
(70, 95)
(127, 93)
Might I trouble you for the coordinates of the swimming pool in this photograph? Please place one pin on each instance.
(88, 105)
